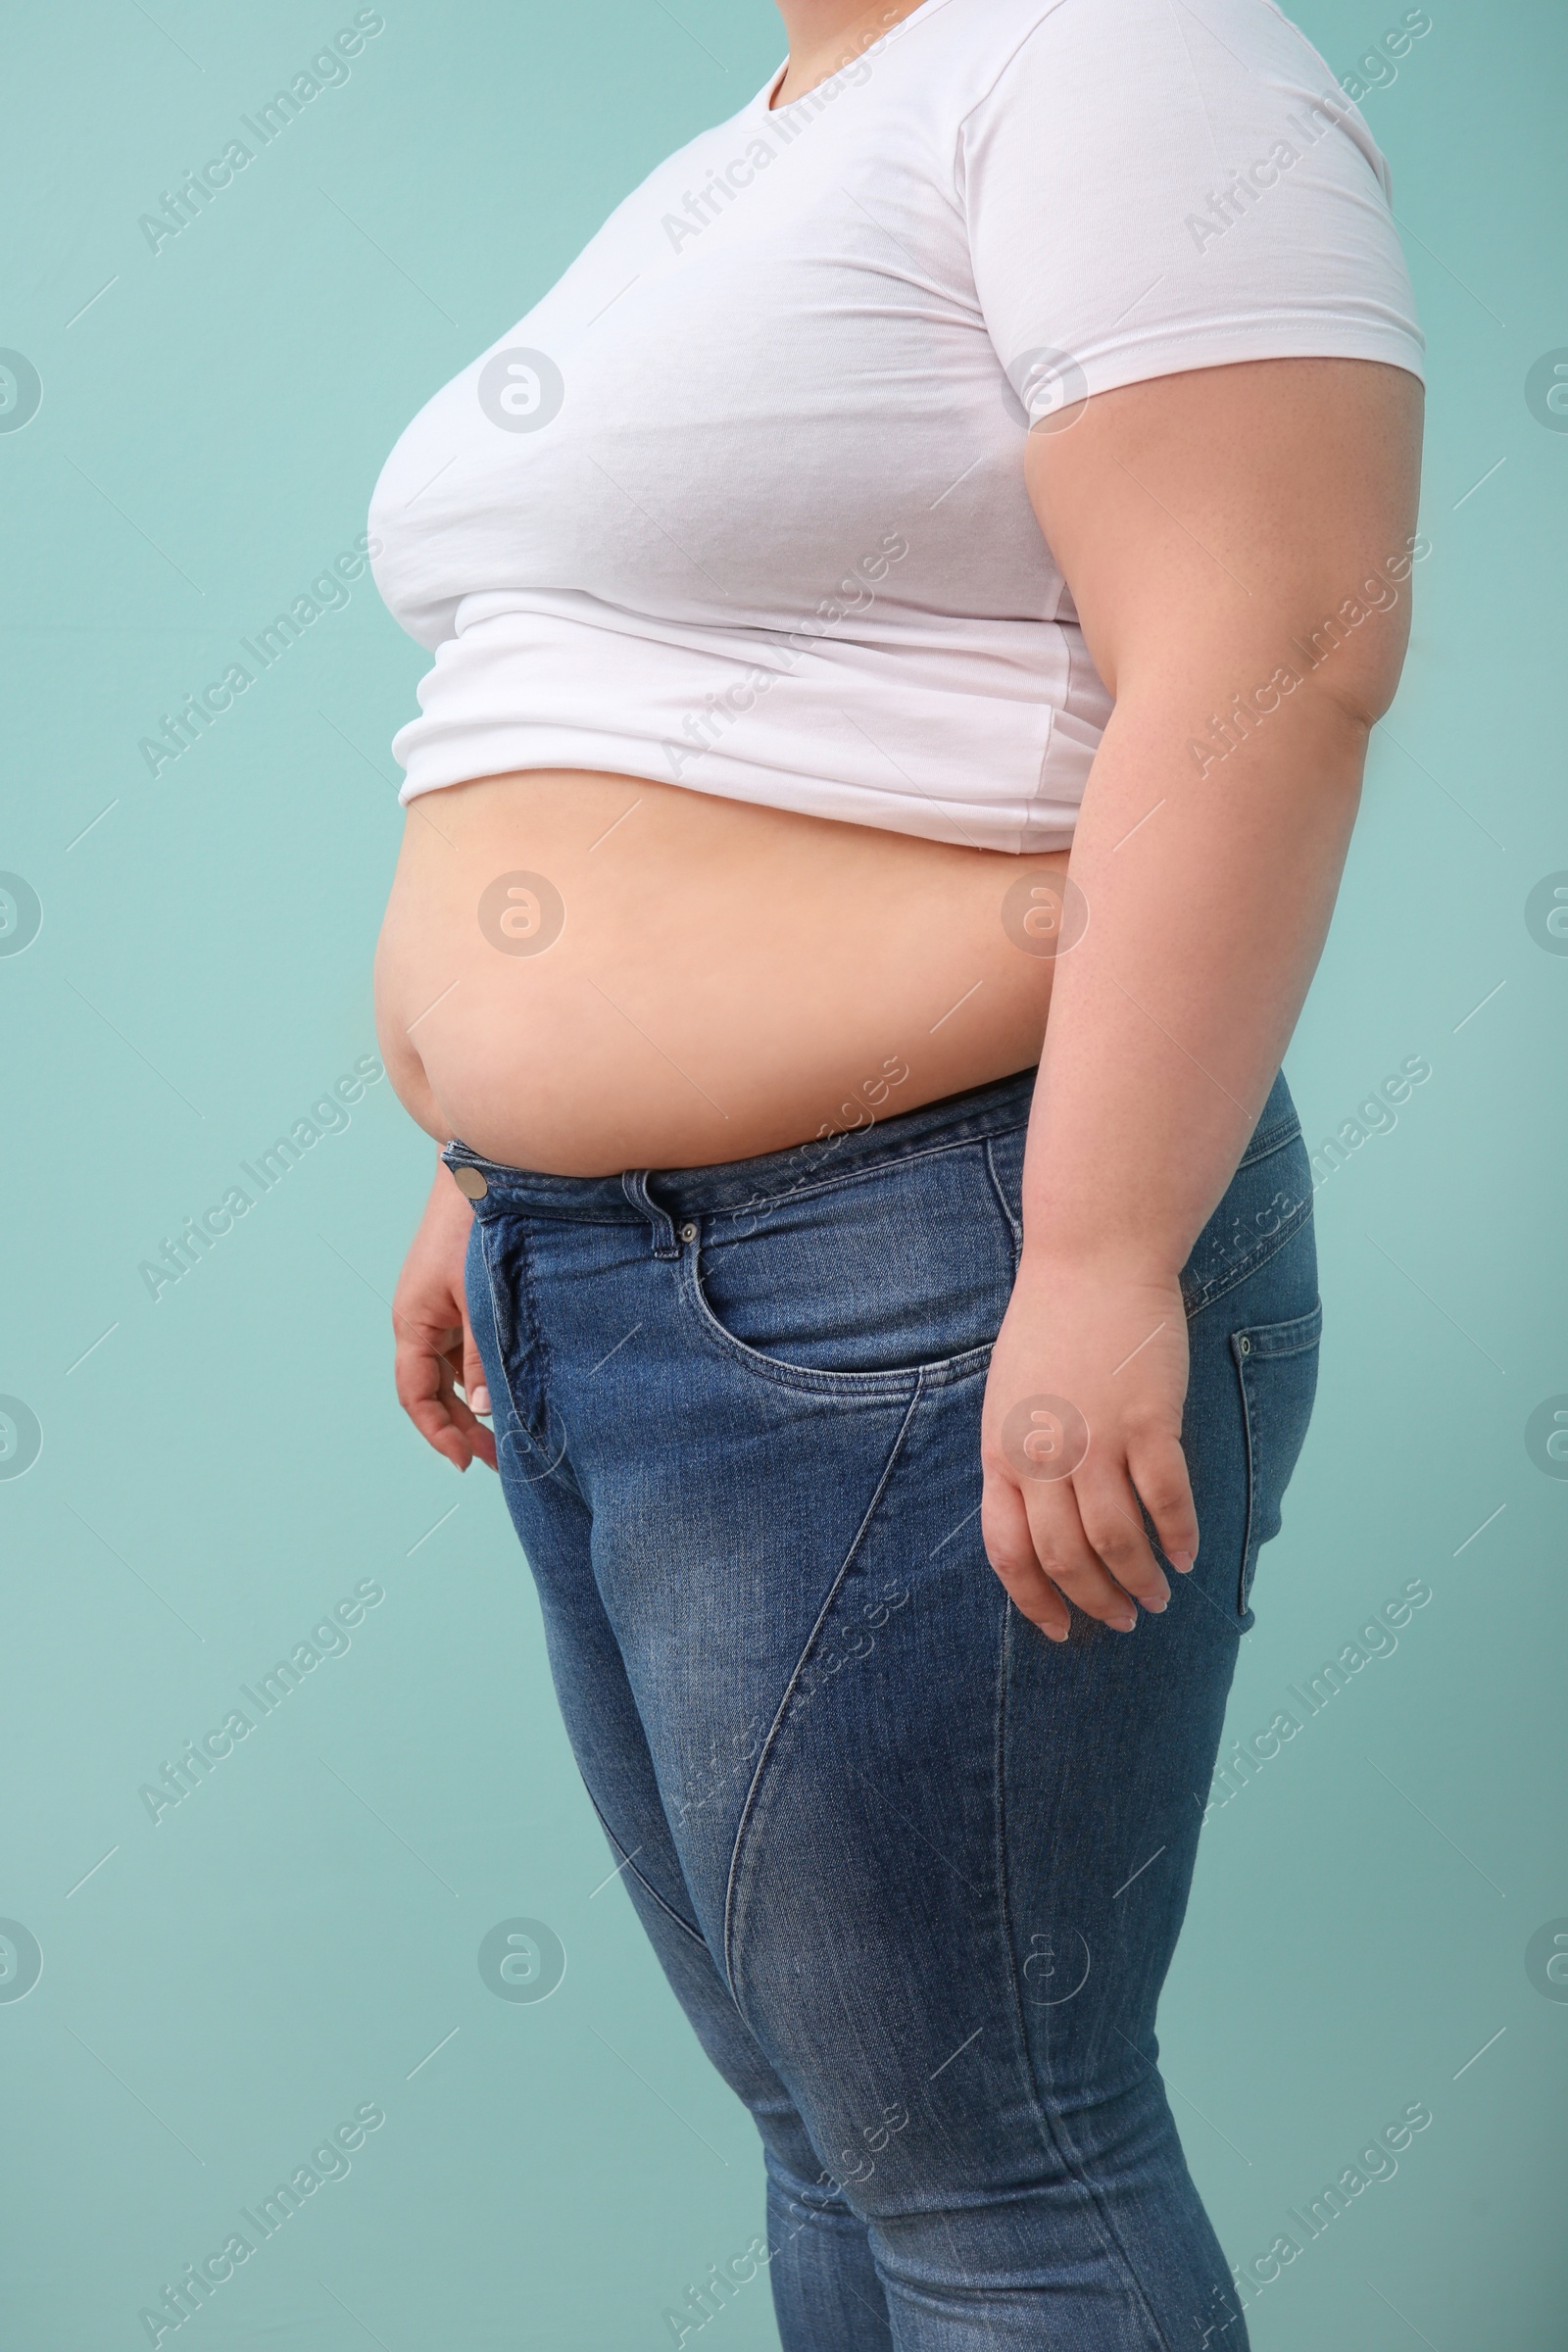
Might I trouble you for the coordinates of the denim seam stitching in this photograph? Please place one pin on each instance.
(902, 1157)
(1261, 1146)
(1244, 1582)
(1013, 1225)
(1254, 1266)
(502, 1326)
(1259, 1149)
(775, 1727)
(653, 1893)
(806, 1378)
(1311, 1324)
(537, 1339)
(1056, 2139)
(540, 1444)
(1250, 1423)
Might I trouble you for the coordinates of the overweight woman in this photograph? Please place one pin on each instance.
(907, 612)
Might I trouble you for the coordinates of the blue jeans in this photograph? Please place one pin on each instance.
(915, 1872)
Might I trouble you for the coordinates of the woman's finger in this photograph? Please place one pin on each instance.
(473, 1400)
(1113, 1526)
(1067, 1557)
(463, 1389)
(466, 1395)
(1009, 1547)
(423, 1384)
(1158, 1470)
(474, 1379)
(479, 1440)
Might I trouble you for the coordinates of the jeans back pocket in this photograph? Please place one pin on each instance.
(1275, 1364)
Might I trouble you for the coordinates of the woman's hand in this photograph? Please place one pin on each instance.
(435, 1350)
(1082, 1424)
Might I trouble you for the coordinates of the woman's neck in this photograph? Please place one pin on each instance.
(825, 35)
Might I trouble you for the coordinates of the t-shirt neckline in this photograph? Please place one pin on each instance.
(763, 101)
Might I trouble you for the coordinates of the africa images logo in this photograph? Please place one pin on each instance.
(20, 391)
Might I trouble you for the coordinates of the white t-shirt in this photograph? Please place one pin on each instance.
(740, 503)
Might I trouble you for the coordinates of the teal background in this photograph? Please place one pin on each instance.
(217, 1468)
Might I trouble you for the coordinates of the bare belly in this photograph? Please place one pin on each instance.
(582, 973)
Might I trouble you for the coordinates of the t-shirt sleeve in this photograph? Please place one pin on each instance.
(1154, 185)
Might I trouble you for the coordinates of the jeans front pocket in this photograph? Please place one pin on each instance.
(1275, 1364)
(870, 1279)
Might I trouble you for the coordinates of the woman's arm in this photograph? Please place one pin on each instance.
(1237, 540)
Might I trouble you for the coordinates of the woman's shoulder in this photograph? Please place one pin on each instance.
(1210, 42)
(1177, 82)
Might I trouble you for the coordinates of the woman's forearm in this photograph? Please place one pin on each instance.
(1207, 898)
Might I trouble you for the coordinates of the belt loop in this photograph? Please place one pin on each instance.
(634, 1183)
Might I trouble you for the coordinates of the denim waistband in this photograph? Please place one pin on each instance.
(977, 1112)
(637, 1195)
